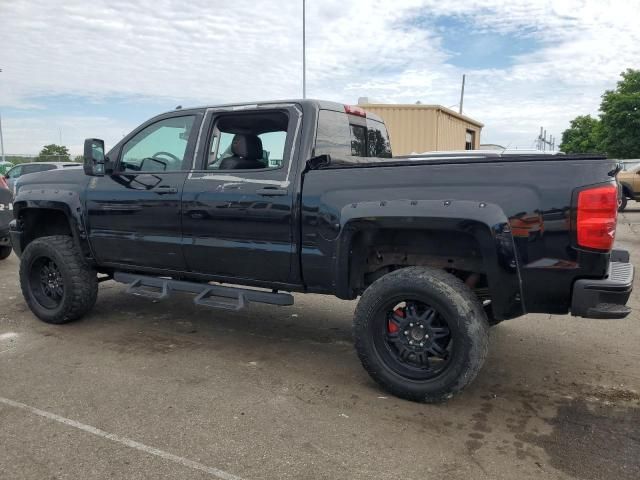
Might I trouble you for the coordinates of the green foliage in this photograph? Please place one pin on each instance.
(617, 132)
(621, 117)
(5, 166)
(54, 153)
(582, 136)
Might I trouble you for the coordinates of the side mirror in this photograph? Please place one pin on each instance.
(319, 162)
(94, 157)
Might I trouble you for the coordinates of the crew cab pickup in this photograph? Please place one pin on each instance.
(239, 204)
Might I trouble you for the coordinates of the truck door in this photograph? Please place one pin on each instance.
(237, 205)
(134, 215)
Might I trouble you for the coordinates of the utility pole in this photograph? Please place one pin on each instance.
(304, 49)
(462, 93)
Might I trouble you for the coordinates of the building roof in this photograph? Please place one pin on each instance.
(419, 106)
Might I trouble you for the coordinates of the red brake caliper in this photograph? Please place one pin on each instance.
(392, 327)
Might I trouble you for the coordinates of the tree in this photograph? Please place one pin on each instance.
(621, 117)
(583, 135)
(54, 153)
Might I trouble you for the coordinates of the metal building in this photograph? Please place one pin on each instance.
(417, 128)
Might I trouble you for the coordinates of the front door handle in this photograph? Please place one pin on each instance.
(164, 189)
(271, 192)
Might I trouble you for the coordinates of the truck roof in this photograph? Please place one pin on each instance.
(319, 104)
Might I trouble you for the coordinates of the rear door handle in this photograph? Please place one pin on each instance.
(271, 192)
(164, 189)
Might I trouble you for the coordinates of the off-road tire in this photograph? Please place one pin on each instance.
(5, 252)
(465, 317)
(79, 279)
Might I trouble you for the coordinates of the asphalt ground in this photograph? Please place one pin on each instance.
(153, 390)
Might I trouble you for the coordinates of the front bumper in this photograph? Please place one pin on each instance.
(605, 298)
(4, 237)
(16, 238)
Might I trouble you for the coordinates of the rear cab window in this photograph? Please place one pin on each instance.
(350, 138)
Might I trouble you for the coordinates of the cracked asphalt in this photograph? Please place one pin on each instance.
(144, 389)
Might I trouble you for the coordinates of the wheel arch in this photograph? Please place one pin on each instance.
(46, 217)
(479, 231)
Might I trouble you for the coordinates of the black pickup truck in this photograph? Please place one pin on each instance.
(304, 196)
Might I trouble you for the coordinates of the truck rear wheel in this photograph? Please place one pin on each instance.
(622, 202)
(5, 252)
(421, 333)
(56, 282)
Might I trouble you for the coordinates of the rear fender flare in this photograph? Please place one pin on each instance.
(485, 222)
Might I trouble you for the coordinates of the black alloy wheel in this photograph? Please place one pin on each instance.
(46, 282)
(415, 340)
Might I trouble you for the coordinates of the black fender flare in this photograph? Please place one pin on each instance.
(485, 222)
(66, 201)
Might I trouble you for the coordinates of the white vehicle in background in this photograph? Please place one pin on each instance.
(26, 168)
(485, 152)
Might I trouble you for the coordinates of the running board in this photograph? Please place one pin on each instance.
(213, 296)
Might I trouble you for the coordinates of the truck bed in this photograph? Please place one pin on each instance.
(532, 197)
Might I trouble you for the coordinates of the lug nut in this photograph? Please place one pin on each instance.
(421, 344)
(406, 332)
(410, 342)
(411, 324)
(421, 326)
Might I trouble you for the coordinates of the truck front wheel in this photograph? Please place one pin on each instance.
(421, 333)
(56, 282)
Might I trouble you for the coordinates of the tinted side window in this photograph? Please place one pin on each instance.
(358, 140)
(351, 139)
(333, 136)
(159, 147)
(378, 144)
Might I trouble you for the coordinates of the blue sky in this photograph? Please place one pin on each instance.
(477, 49)
(101, 72)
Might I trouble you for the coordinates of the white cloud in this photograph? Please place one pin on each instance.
(216, 51)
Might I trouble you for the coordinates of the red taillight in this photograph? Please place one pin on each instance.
(597, 215)
(354, 110)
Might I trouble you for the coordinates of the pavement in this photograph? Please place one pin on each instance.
(152, 390)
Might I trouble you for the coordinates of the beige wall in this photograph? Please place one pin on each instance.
(452, 132)
(423, 128)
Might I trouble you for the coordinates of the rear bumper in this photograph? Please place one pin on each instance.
(607, 297)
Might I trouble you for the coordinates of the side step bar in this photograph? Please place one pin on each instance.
(213, 296)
